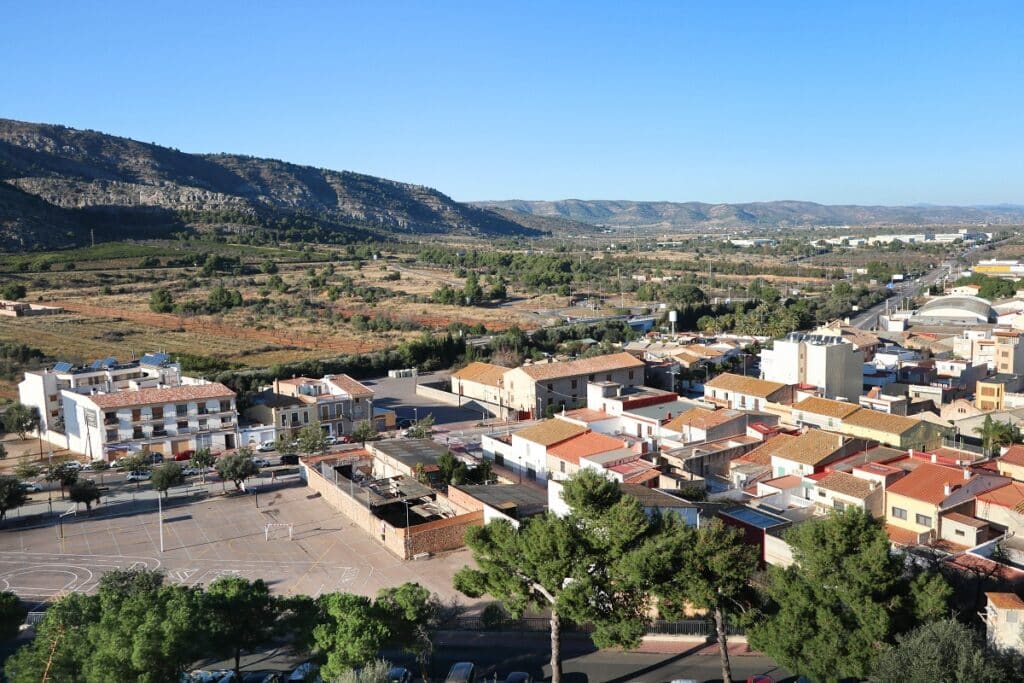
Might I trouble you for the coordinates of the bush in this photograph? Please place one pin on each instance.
(494, 617)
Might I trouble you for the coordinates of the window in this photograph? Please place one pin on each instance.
(839, 505)
(959, 532)
(531, 473)
(574, 383)
(590, 378)
(550, 400)
(283, 419)
(551, 387)
(158, 413)
(631, 374)
(561, 466)
(822, 494)
(1011, 616)
(182, 424)
(305, 418)
(899, 513)
(181, 409)
(608, 377)
(923, 520)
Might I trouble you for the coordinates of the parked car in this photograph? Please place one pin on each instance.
(261, 462)
(303, 671)
(31, 486)
(73, 465)
(155, 458)
(399, 674)
(519, 677)
(462, 672)
(139, 476)
(345, 438)
(267, 446)
(190, 471)
(184, 455)
(290, 459)
(330, 440)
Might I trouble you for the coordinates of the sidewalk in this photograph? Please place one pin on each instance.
(540, 640)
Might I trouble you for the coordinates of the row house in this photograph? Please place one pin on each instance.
(536, 388)
(338, 402)
(746, 393)
(169, 421)
(287, 414)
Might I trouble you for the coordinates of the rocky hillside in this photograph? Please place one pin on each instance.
(689, 216)
(57, 183)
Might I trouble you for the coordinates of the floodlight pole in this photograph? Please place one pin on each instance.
(160, 518)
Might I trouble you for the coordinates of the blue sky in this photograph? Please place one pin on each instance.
(853, 102)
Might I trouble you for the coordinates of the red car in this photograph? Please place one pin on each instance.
(184, 455)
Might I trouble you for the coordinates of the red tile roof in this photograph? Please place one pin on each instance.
(977, 564)
(1009, 496)
(1014, 455)
(1005, 600)
(590, 443)
(584, 366)
(901, 536)
(586, 415)
(928, 482)
(762, 455)
(790, 481)
(482, 373)
(147, 397)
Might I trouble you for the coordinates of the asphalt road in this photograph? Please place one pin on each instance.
(905, 290)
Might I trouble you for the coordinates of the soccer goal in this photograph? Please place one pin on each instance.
(272, 527)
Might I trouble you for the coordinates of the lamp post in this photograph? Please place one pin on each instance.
(160, 518)
(49, 489)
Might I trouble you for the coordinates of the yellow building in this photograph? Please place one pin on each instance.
(893, 430)
(1011, 464)
(912, 504)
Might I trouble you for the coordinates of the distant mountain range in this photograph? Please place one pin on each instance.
(57, 184)
(691, 216)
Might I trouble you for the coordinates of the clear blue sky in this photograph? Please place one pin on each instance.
(836, 102)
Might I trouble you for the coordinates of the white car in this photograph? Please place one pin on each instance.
(189, 471)
(330, 440)
(72, 465)
(267, 446)
(31, 487)
(261, 462)
(139, 476)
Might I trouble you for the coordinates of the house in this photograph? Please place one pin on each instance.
(893, 430)
(913, 503)
(536, 388)
(1011, 462)
(1003, 506)
(658, 501)
(479, 382)
(828, 363)
(812, 451)
(842, 490)
(762, 529)
(990, 393)
(822, 413)
(623, 467)
(168, 420)
(528, 455)
(563, 459)
(1004, 621)
(965, 290)
(286, 413)
(702, 424)
(1009, 352)
(405, 457)
(746, 393)
(756, 464)
(339, 403)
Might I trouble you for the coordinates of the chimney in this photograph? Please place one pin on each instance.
(967, 474)
(947, 489)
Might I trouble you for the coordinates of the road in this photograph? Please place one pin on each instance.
(905, 290)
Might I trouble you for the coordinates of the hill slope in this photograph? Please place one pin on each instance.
(87, 179)
(699, 215)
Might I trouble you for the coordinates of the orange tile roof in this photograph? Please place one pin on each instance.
(790, 481)
(482, 373)
(1009, 496)
(550, 432)
(349, 385)
(749, 386)
(701, 418)
(901, 536)
(583, 366)
(1005, 600)
(588, 443)
(985, 567)
(762, 455)
(883, 422)
(159, 396)
(826, 407)
(846, 484)
(927, 483)
(966, 520)
(1014, 455)
(587, 415)
(810, 448)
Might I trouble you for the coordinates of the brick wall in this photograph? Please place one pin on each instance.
(443, 534)
(462, 500)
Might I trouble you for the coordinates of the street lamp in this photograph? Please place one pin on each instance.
(49, 489)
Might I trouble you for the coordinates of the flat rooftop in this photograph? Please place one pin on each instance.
(517, 500)
(409, 451)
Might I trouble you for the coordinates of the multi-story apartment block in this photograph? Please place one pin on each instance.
(831, 364)
(339, 403)
(286, 413)
(1009, 352)
(168, 420)
(42, 388)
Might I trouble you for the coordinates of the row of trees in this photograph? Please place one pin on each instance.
(136, 627)
(832, 614)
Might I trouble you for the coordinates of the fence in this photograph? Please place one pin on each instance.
(701, 628)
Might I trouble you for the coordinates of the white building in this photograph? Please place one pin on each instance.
(168, 420)
(1004, 620)
(832, 365)
(42, 389)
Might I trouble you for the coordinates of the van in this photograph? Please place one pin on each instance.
(462, 672)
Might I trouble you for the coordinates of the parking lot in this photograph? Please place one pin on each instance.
(399, 394)
(206, 534)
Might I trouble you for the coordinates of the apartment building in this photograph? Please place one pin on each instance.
(42, 389)
(1009, 352)
(538, 387)
(165, 420)
(828, 363)
(287, 414)
(338, 402)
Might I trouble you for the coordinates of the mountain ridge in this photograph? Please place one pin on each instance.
(665, 215)
(92, 179)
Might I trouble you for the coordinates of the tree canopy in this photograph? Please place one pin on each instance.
(12, 494)
(20, 419)
(237, 467)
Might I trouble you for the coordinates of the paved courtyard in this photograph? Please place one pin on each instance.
(208, 536)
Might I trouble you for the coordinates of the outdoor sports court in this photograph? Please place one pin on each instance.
(208, 535)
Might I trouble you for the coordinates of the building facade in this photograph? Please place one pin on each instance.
(829, 363)
(338, 402)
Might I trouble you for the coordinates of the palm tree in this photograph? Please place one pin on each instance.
(995, 434)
